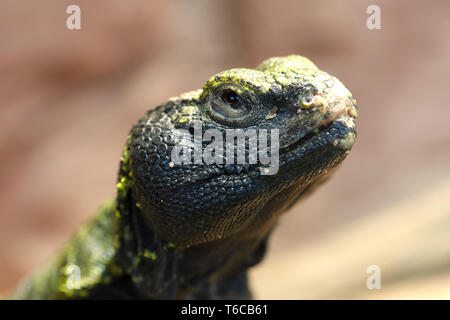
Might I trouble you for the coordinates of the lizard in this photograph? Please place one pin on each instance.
(192, 230)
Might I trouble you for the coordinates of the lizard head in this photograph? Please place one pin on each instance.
(290, 124)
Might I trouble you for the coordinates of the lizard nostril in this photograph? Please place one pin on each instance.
(307, 98)
(308, 95)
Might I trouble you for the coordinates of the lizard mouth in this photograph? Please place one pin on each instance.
(305, 138)
(334, 132)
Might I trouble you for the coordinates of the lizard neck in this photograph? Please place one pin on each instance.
(159, 270)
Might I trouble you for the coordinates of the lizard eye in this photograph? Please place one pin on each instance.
(227, 103)
(231, 98)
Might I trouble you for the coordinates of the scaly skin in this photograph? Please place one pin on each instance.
(193, 230)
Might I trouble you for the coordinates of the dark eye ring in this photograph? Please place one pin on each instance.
(231, 98)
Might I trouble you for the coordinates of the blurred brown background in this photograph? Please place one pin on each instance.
(69, 97)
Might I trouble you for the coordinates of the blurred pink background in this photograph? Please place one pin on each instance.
(69, 97)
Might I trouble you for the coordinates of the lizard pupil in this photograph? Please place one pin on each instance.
(231, 98)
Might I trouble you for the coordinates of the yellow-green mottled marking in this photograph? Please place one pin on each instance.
(150, 255)
(90, 251)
